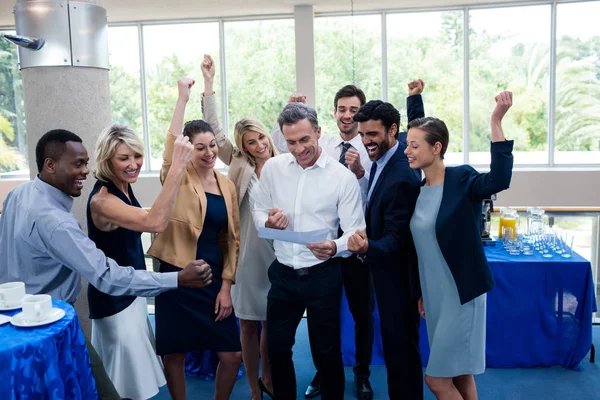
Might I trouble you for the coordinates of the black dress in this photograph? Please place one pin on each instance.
(122, 245)
(185, 317)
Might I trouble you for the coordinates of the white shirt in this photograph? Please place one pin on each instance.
(324, 196)
(381, 163)
(333, 147)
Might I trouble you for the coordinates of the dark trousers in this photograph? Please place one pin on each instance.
(317, 290)
(358, 285)
(399, 320)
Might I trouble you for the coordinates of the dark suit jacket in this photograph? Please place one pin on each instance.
(388, 217)
(458, 225)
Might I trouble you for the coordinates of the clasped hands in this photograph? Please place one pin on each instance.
(278, 220)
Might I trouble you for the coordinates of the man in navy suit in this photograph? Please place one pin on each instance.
(387, 246)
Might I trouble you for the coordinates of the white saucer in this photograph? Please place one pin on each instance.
(55, 315)
(4, 319)
(12, 307)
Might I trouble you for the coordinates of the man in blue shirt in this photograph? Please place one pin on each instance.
(42, 244)
(388, 248)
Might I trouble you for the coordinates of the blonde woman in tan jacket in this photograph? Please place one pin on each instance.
(254, 148)
(204, 225)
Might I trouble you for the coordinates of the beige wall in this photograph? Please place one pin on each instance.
(543, 188)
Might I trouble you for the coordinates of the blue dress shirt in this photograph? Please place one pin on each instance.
(383, 160)
(42, 244)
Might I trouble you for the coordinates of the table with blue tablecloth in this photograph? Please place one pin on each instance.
(538, 315)
(46, 362)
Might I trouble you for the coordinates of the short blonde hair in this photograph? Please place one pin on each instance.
(106, 147)
(251, 125)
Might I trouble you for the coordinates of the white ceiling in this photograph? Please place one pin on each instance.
(145, 10)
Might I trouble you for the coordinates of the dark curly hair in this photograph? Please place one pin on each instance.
(379, 111)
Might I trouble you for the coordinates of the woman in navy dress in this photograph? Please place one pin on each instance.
(453, 270)
(115, 220)
(205, 225)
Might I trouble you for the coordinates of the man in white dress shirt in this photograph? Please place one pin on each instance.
(347, 147)
(301, 191)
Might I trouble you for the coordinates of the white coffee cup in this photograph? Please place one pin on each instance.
(11, 294)
(37, 307)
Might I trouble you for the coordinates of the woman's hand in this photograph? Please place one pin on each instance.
(421, 307)
(223, 305)
(184, 86)
(208, 68)
(503, 103)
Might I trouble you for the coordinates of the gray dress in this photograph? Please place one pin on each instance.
(456, 332)
(249, 294)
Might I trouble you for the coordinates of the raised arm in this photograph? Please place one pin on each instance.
(499, 177)
(414, 101)
(109, 211)
(209, 111)
(276, 134)
(184, 88)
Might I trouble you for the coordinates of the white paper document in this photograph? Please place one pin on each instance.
(293, 237)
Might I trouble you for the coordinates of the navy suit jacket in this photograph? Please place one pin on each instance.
(458, 224)
(388, 217)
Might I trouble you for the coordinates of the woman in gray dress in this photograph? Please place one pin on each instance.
(453, 271)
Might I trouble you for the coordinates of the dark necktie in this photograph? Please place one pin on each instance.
(372, 176)
(345, 147)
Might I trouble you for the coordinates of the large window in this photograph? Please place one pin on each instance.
(577, 84)
(261, 69)
(347, 50)
(172, 52)
(510, 50)
(13, 142)
(429, 46)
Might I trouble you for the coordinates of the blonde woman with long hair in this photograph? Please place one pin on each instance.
(115, 221)
(253, 147)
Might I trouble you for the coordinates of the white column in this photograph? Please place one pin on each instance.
(305, 52)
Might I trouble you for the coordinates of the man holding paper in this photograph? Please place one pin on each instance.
(305, 192)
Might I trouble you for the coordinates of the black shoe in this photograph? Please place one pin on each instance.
(314, 389)
(364, 391)
(264, 389)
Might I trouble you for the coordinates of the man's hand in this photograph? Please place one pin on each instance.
(277, 219)
(223, 305)
(324, 250)
(358, 243)
(208, 68)
(197, 274)
(184, 86)
(353, 161)
(421, 307)
(503, 103)
(297, 98)
(182, 151)
(416, 87)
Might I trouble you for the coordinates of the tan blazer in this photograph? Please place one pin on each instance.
(240, 166)
(177, 244)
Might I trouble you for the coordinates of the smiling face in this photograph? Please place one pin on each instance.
(375, 138)
(344, 113)
(70, 170)
(303, 142)
(126, 164)
(205, 149)
(257, 145)
(420, 154)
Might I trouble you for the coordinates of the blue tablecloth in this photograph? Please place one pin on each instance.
(538, 315)
(46, 362)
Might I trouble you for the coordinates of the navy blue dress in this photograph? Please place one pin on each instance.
(185, 317)
(122, 245)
